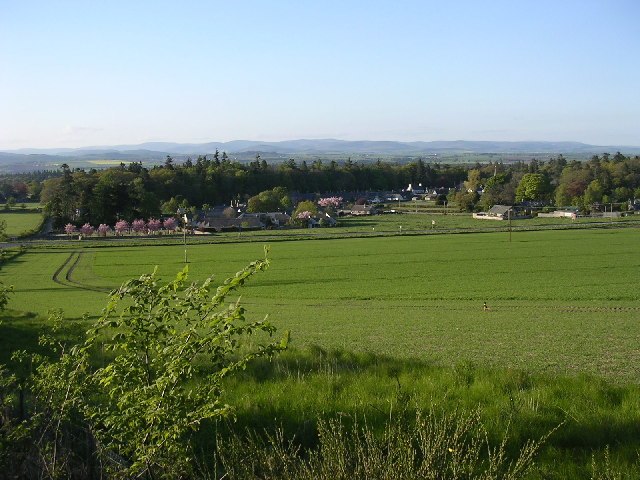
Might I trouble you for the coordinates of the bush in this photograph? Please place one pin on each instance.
(169, 348)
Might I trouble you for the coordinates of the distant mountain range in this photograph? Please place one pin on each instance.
(329, 146)
(153, 152)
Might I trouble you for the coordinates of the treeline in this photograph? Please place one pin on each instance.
(133, 191)
(601, 180)
(24, 186)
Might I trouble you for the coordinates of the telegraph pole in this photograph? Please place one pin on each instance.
(184, 231)
(184, 237)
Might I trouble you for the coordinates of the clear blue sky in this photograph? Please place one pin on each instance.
(79, 73)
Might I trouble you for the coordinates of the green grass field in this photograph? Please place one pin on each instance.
(383, 323)
(410, 220)
(560, 301)
(19, 222)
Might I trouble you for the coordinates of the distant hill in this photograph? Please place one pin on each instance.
(155, 152)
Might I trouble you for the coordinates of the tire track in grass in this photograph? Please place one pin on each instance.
(83, 286)
(56, 274)
(70, 265)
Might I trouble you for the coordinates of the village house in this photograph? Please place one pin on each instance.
(245, 221)
(358, 210)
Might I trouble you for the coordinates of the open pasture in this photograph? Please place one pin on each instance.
(422, 221)
(559, 301)
(20, 222)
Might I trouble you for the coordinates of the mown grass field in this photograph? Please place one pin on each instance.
(420, 221)
(560, 301)
(19, 222)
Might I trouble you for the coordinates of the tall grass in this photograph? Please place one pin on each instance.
(317, 413)
(594, 422)
(429, 446)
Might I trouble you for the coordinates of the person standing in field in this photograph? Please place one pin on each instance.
(485, 307)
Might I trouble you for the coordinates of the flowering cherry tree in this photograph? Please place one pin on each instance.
(86, 230)
(330, 202)
(306, 215)
(153, 225)
(169, 224)
(121, 226)
(138, 225)
(70, 229)
(103, 229)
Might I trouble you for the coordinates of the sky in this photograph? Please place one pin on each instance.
(89, 72)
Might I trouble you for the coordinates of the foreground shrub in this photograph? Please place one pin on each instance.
(168, 348)
(429, 446)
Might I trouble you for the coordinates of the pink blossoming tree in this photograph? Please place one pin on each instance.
(103, 229)
(86, 230)
(330, 202)
(70, 229)
(121, 227)
(153, 225)
(170, 224)
(138, 225)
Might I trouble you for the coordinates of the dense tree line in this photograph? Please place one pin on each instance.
(600, 180)
(24, 186)
(133, 191)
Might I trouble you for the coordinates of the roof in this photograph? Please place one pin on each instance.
(229, 223)
(499, 209)
(362, 208)
(217, 223)
(280, 216)
(251, 222)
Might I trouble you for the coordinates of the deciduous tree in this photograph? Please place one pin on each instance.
(86, 230)
(269, 201)
(122, 226)
(532, 186)
(306, 206)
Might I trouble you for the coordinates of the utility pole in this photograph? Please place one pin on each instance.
(184, 231)
(184, 236)
(509, 215)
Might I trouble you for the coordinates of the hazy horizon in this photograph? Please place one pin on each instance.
(169, 142)
(79, 75)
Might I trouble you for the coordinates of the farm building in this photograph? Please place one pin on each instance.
(276, 219)
(245, 221)
(363, 210)
(497, 212)
(567, 213)
(218, 224)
